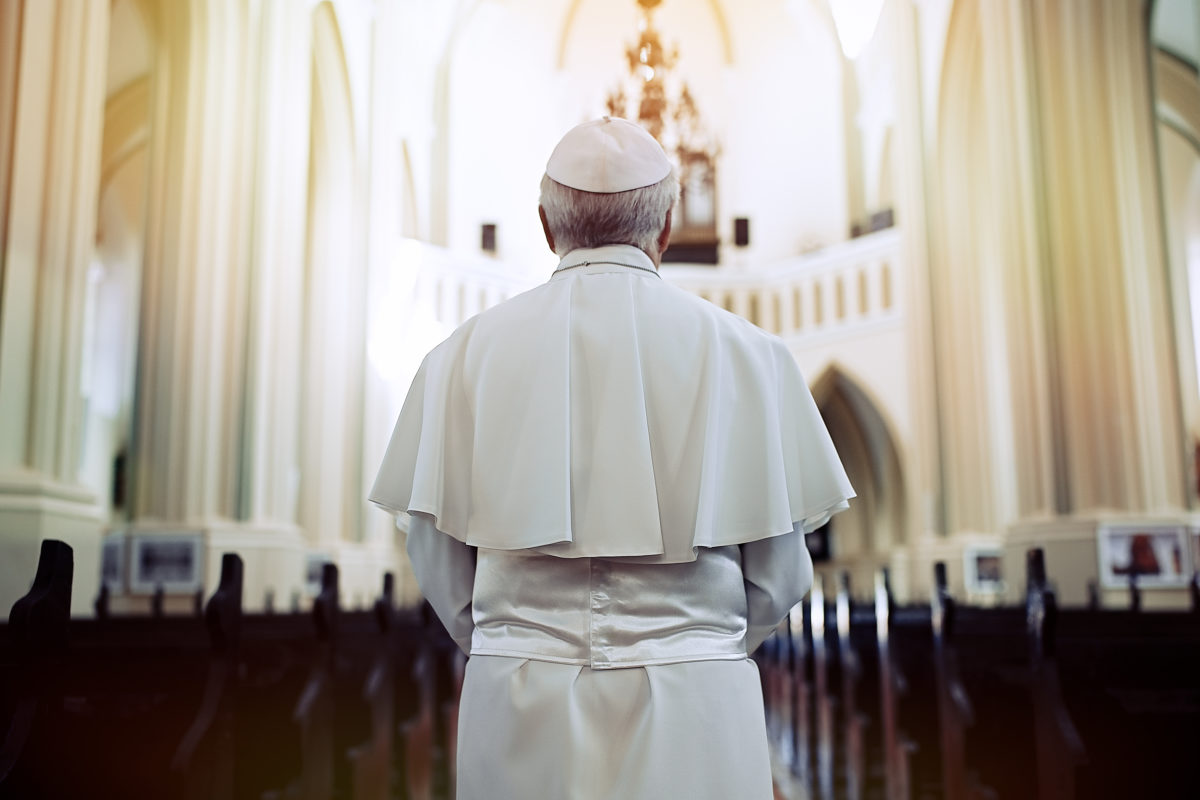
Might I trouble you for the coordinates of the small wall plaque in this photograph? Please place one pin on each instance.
(174, 561)
(113, 564)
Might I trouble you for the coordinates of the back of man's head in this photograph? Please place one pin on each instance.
(608, 182)
(592, 219)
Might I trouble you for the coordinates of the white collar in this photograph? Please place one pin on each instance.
(609, 258)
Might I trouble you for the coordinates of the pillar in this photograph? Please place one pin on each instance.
(52, 70)
(220, 354)
(250, 391)
(1054, 371)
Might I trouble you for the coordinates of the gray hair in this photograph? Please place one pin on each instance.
(591, 219)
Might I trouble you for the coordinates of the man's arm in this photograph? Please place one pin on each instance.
(778, 572)
(445, 570)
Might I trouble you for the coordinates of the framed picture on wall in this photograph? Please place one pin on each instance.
(1194, 541)
(112, 561)
(983, 569)
(174, 561)
(1155, 554)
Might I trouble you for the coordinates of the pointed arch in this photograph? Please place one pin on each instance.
(864, 437)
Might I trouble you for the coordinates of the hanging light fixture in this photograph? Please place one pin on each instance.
(652, 95)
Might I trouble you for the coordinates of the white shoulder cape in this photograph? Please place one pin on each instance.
(607, 413)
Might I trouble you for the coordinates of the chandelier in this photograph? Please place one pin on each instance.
(664, 106)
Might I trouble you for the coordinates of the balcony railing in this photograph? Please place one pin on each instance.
(843, 287)
(832, 291)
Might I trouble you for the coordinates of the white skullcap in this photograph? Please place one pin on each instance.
(608, 155)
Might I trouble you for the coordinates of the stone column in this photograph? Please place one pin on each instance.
(52, 70)
(921, 467)
(334, 319)
(1054, 367)
(273, 355)
(191, 362)
(220, 355)
(1124, 443)
(252, 348)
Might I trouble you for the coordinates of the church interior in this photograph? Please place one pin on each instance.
(231, 229)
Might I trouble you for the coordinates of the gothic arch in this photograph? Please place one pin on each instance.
(875, 524)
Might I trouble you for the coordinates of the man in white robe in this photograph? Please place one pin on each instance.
(607, 482)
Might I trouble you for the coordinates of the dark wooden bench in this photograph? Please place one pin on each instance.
(861, 728)
(1040, 701)
(984, 698)
(1130, 684)
(221, 704)
(801, 695)
(908, 697)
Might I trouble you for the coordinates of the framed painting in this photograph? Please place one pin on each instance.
(113, 563)
(171, 560)
(983, 570)
(1155, 554)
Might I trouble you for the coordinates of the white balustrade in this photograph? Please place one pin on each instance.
(455, 287)
(838, 289)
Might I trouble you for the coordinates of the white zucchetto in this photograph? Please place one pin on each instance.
(608, 155)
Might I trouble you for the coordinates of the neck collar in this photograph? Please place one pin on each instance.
(610, 258)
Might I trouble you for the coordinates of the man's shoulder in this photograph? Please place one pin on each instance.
(724, 323)
(515, 306)
(673, 305)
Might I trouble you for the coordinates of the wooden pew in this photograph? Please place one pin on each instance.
(1130, 684)
(331, 715)
(1038, 701)
(1031, 701)
(456, 674)
(802, 696)
(785, 689)
(277, 656)
(908, 696)
(1060, 750)
(419, 731)
(861, 712)
(203, 763)
(985, 705)
(372, 760)
(429, 727)
(34, 640)
(825, 687)
(121, 686)
(156, 707)
(983, 702)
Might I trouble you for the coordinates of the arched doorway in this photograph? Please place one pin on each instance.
(864, 537)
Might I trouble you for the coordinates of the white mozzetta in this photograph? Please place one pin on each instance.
(618, 454)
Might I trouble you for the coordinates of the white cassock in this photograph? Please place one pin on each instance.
(607, 481)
